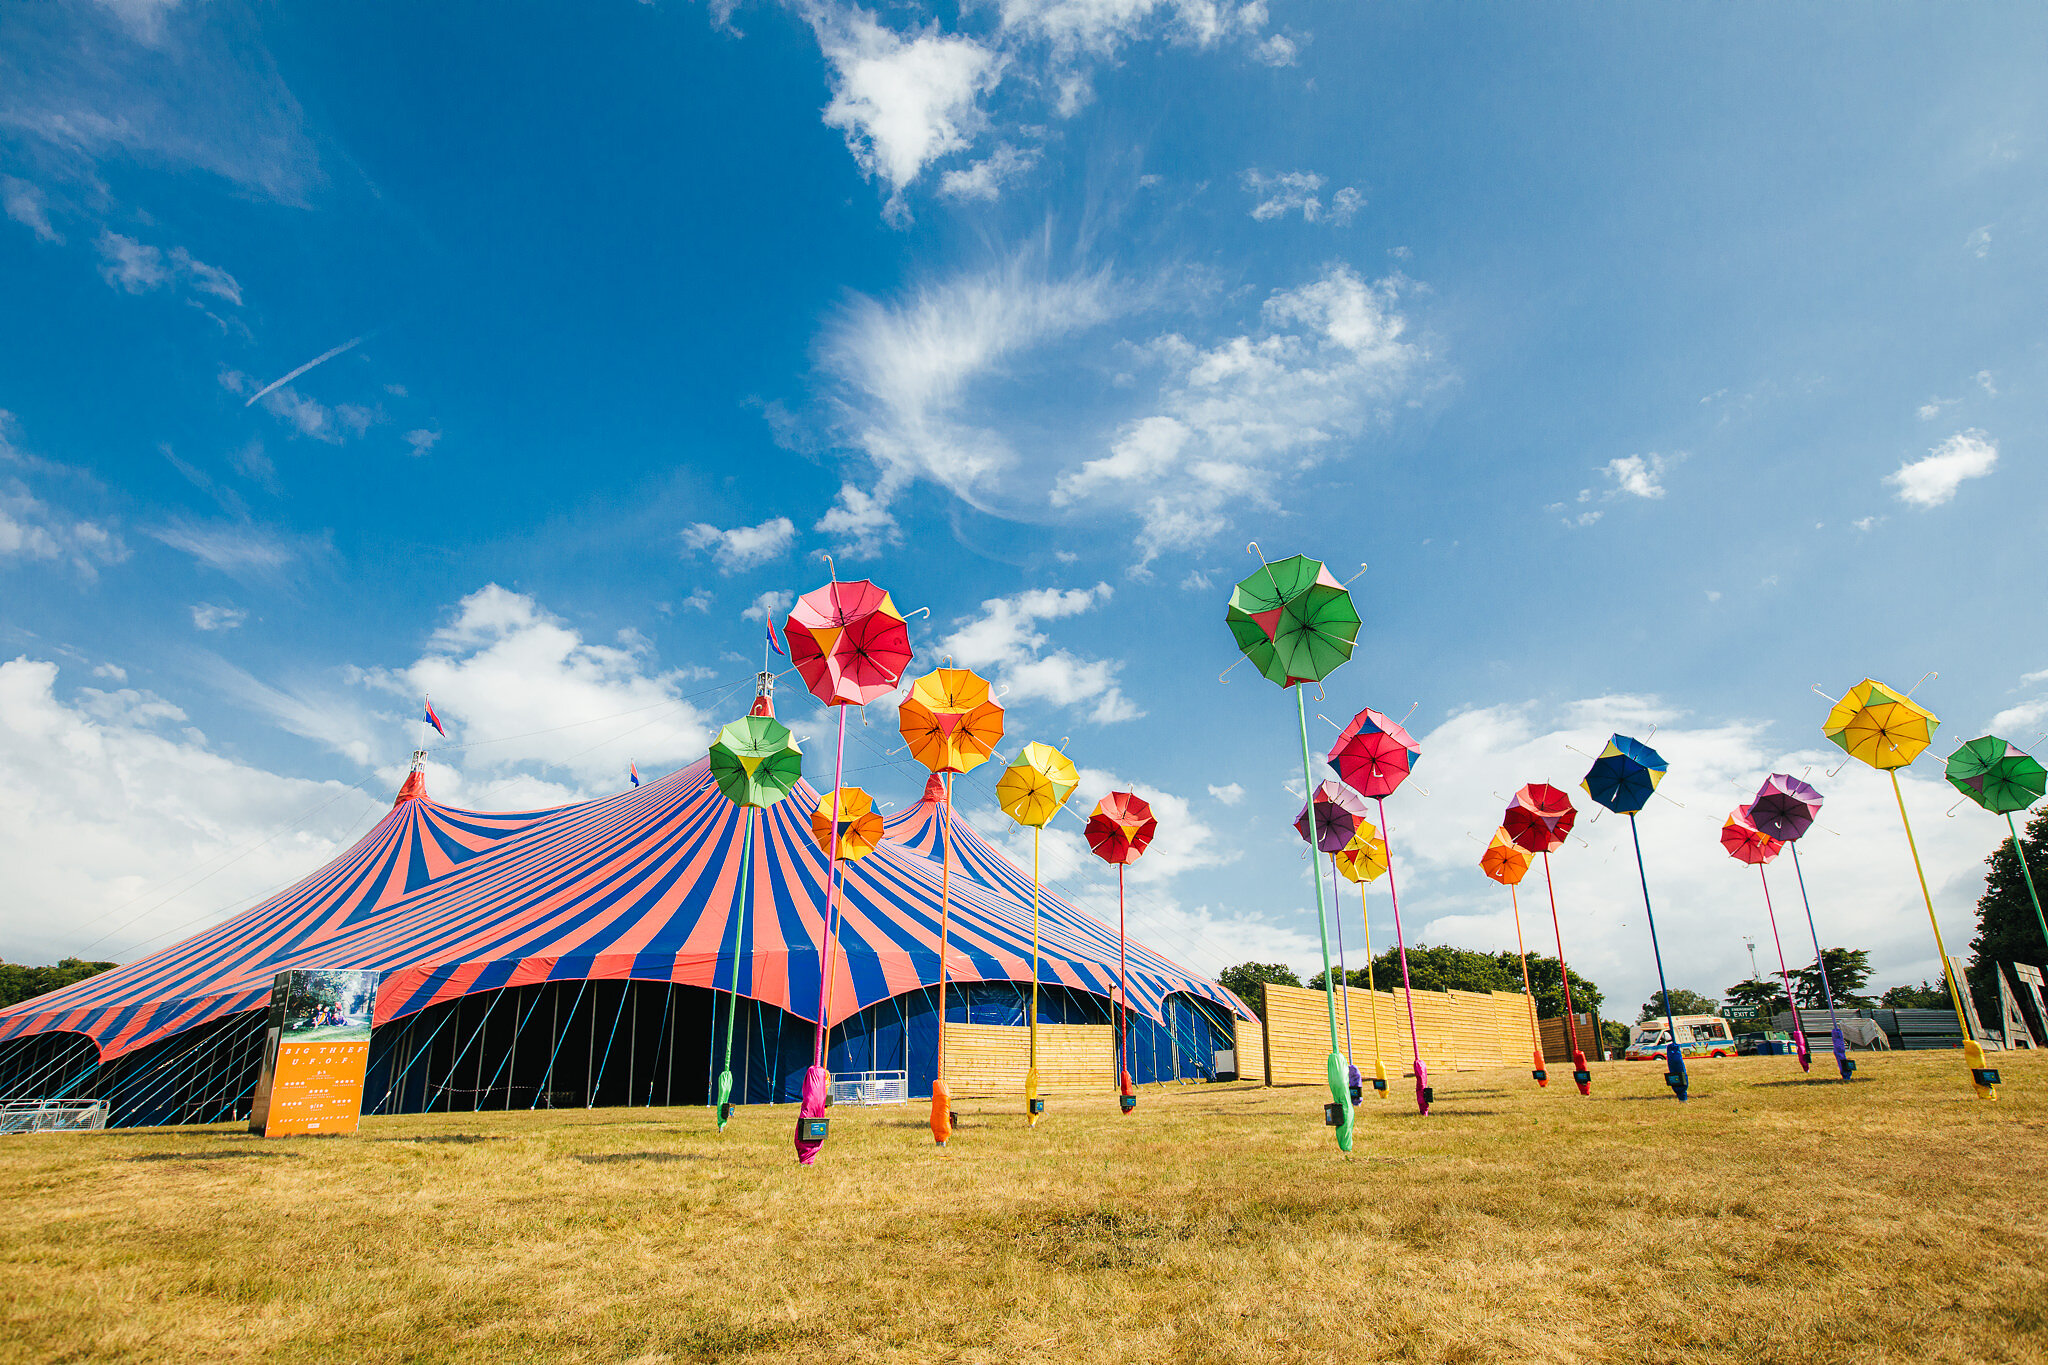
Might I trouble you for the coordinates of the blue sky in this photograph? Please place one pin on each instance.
(1660, 363)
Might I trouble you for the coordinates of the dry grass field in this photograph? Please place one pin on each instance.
(1770, 1220)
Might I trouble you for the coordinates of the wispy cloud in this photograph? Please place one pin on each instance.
(239, 549)
(1005, 638)
(208, 616)
(1300, 192)
(743, 547)
(29, 207)
(137, 268)
(320, 359)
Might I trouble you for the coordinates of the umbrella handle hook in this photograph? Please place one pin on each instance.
(1824, 696)
(1837, 768)
(829, 565)
(1224, 676)
(1951, 811)
(1354, 578)
(1930, 673)
(1251, 547)
(921, 611)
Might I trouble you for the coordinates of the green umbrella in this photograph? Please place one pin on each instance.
(2002, 778)
(755, 763)
(1295, 622)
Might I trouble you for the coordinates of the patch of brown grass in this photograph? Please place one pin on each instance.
(1769, 1220)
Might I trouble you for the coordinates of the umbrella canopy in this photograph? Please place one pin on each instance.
(1745, 842)
(1785, 807)
(1121, 827)
(848, 641)
(1504, 860)
(949, 720)
(2000, 777)
(1878, 726)
(1364, 859)
(1374, 755)
(755, 761)
(1032, 789)
(1293, 620)
(859, 824)
(1624, 775)
(1540, 817)
(1339, 813)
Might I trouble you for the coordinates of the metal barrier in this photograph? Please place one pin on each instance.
(872, 1087)
(51, 1116)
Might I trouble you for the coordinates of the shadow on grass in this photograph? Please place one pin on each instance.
(1801, 1081)
(444, 1137)
(605, 1158)
(205, 1156)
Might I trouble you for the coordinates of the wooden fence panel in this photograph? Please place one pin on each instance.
(991, 1059)
(1251, 1050)
(1457, 1030)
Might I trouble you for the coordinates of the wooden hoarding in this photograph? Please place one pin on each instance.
(1458, 1031)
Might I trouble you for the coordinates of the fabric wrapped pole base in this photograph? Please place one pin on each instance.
(1345, 1117)
(1423, 1094)
(1379, 1079)
(1539, 1073)
(1580, 1075)
(942, 1112)
(1033, 1105)
(1848, 1068)
(810, 1121)
(1675, 1076)
(1127, 1094)
(724, 1101)
(1982, 1077)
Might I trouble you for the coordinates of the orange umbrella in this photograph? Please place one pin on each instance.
(858, 823)
(1507, 863)
(952, 725)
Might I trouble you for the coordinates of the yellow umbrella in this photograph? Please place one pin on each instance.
(1364, 860)
(952, 726)
(1888, 730)
(1031, 791)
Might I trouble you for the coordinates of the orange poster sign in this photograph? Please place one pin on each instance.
(315, 1054)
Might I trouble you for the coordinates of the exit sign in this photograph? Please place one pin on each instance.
(1742, 1012)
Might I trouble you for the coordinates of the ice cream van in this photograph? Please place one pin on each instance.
(1699, 1035)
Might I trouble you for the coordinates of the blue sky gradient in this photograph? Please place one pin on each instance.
(1661, 363)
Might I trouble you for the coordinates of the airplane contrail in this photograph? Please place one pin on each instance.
(316, 360)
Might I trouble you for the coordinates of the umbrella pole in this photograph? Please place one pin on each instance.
(1372, 995)
(1674, 1056)
(816, 1083)
(1343, 972)
(745, 896)
(1784, 975)
(1123, 991)
(1564, 975)
(1340, 1091)
(1541, 1073)
(1827, 992)
(1422, 1091)
(1973, 1051)
(1031, 1073)
(2021, 853)
(942, 1094)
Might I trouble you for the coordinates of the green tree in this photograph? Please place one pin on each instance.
(1434, 969)
(2006, 928)
(1928, 995)
(1250, 979)
(1614, 1036)
(1683, 1001)
(1548, 985)
(1762, 991)
(19, 982)
(1848, 969)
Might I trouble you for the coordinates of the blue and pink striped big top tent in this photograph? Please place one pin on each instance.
(641, 886)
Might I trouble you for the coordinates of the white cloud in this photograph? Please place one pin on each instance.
(984, 180)
(1235, 418)
(700, 600)
(743, 547)
(1984, 382)
(1004, 639)
(1100, 27)
(27, 206)
(138, 268)
(1229, 795)
(1978, 243)
(122, 829)
(902, 102)
(114, 671)
(31, 528)
(769, 606)
(144, 19)
(1277, 50)
(1934, 479)
(422, 440)
(905, 371)
(1867, 524)
(208, 616)
(1640, 476)
(1299, 191)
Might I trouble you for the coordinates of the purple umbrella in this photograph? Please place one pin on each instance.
(1785, 808)
(1339, 812)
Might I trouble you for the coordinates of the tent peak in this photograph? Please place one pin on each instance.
(764, 694)
(415, 788)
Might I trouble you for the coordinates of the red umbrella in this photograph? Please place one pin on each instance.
(849, 642)
(1119, 829)
(1540, 817)
(1374, 755)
